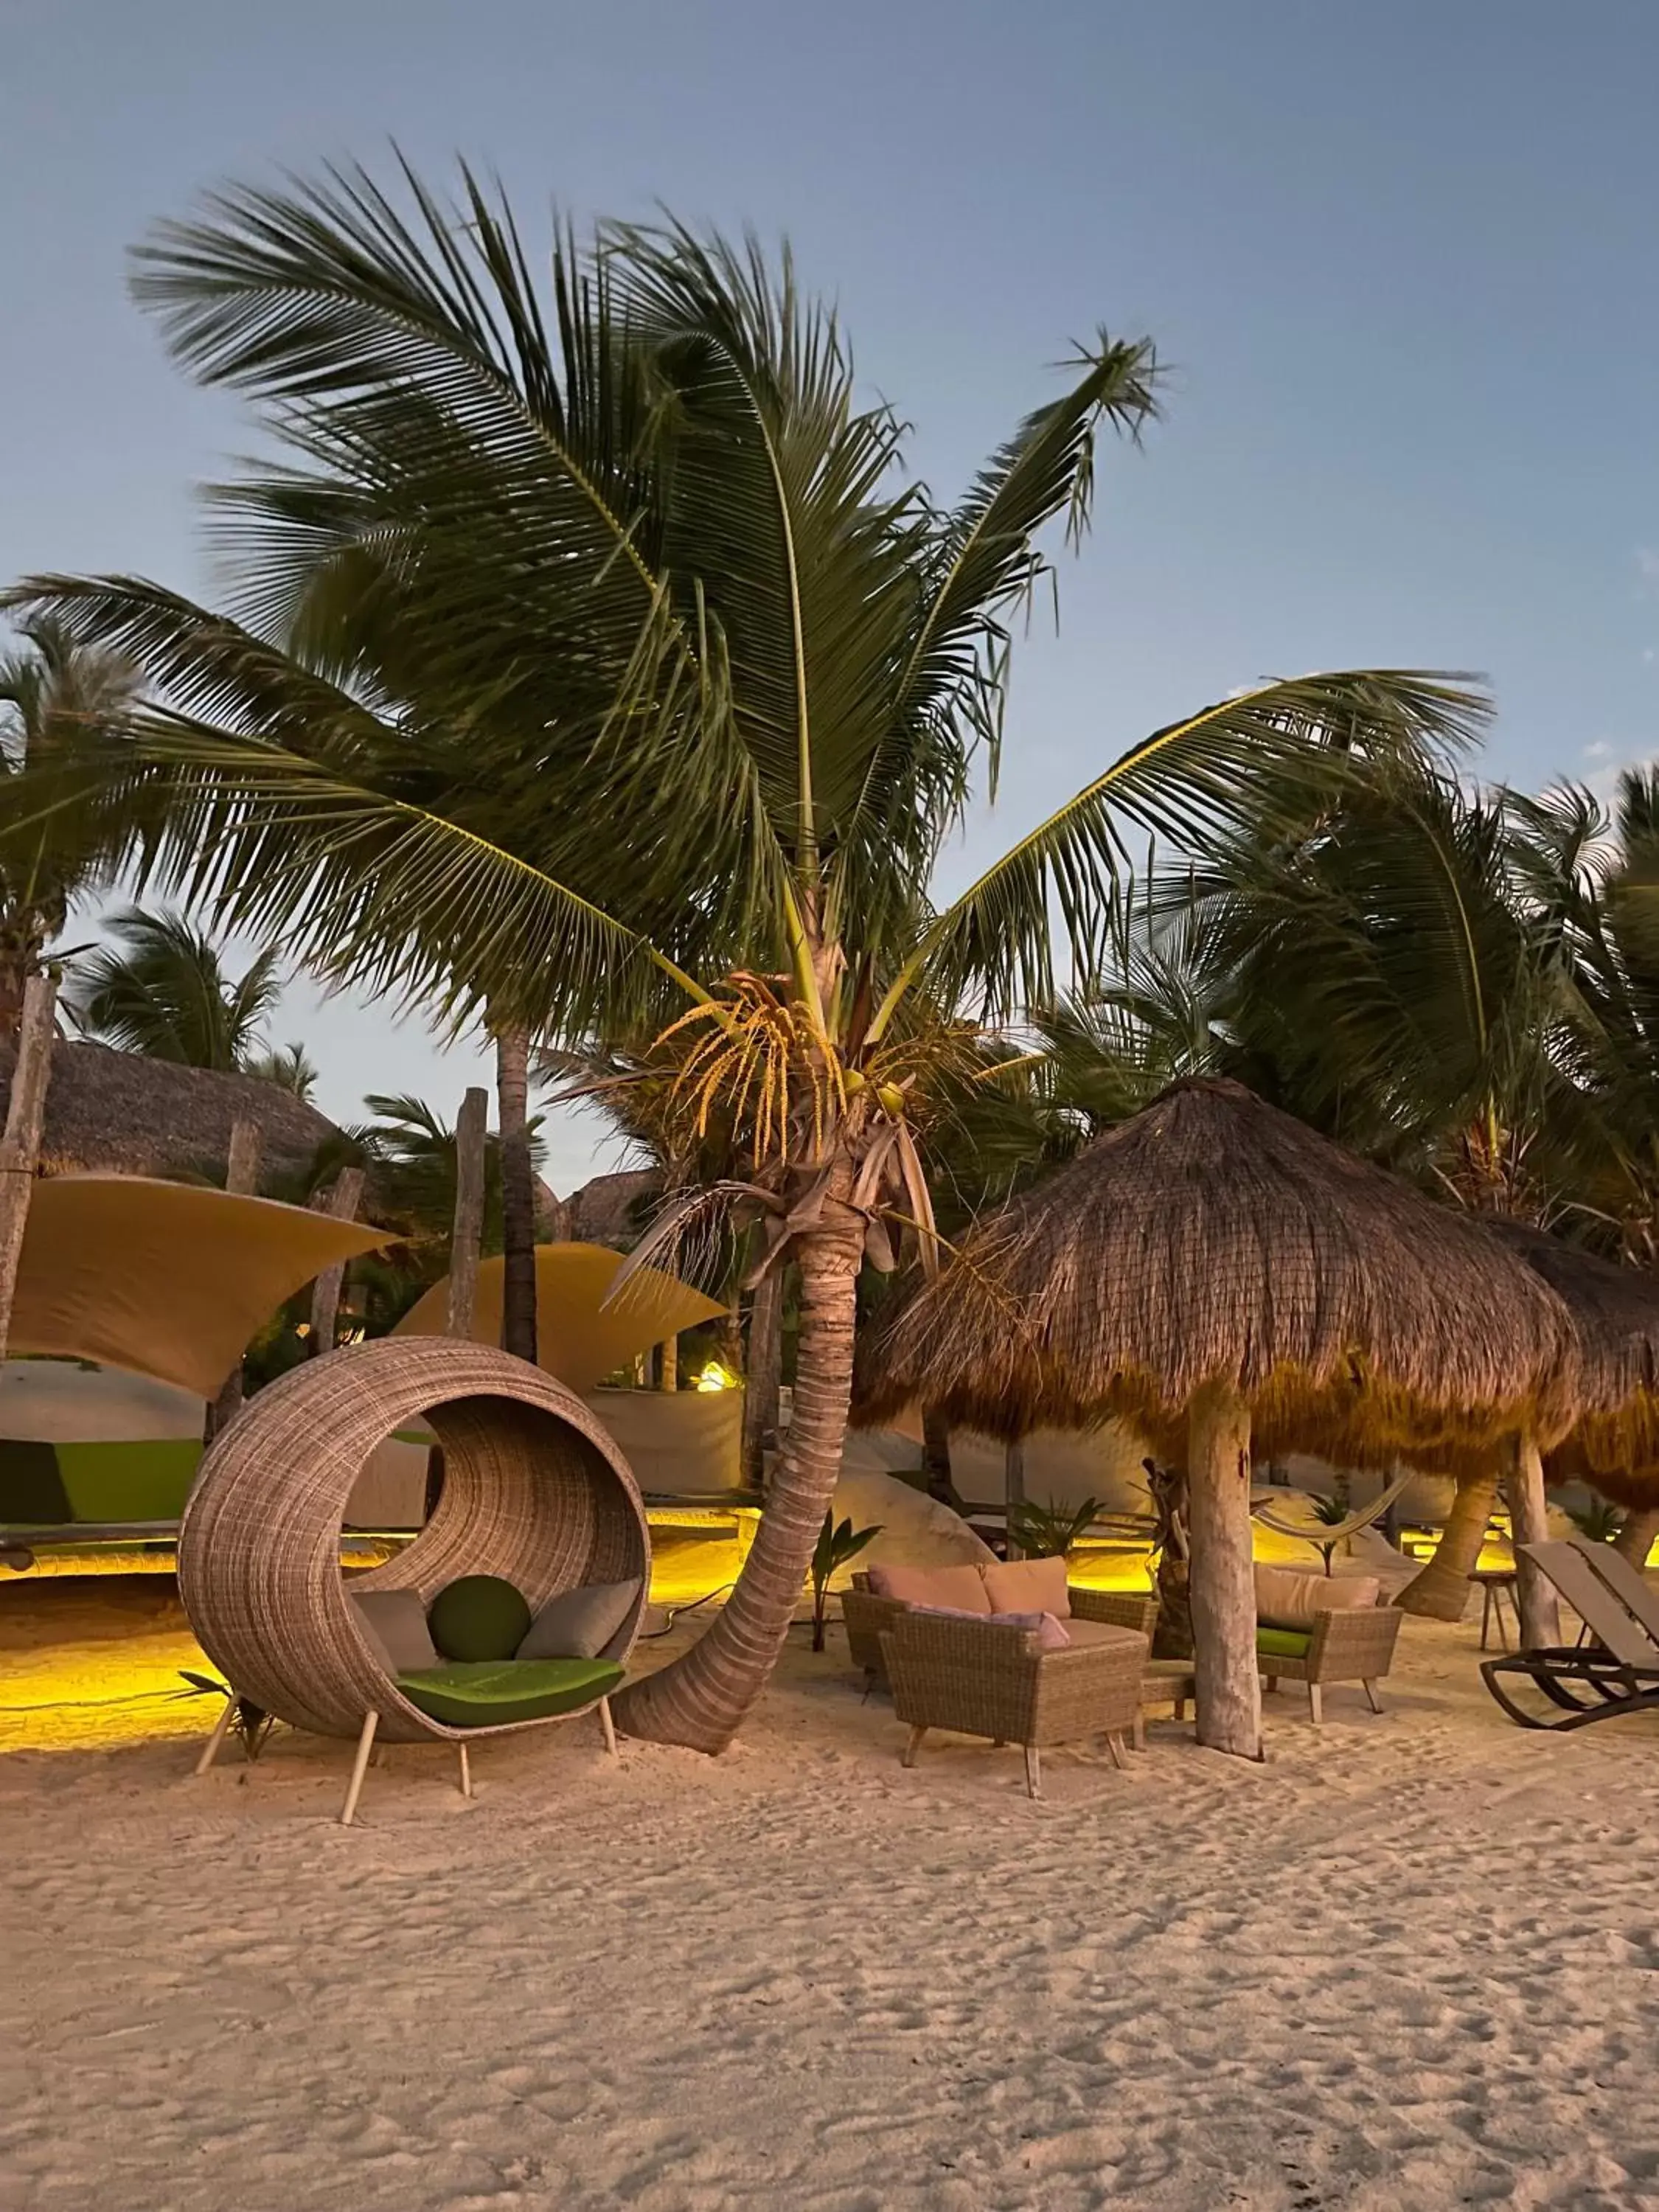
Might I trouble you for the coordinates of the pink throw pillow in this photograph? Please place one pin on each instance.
(1028, 1586)
(944, 1589)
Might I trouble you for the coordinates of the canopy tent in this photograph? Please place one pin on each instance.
(581, 1336)
(164, 1278)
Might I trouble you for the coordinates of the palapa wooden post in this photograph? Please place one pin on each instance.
(668, 1363)
(20, 1147)
(471, 1128)
(242, 1177)
(1221, 1581)
(1013, 1480)
(340, 1204)
(1540, 1616)
(762, 1371)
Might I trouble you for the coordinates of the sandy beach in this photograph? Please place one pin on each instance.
(1411, 1962)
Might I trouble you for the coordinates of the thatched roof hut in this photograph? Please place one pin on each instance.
(124, 1113)
(1214, 1240)
(1614, 1444)
(1214, 1267)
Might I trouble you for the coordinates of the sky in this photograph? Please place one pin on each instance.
(1401, 261)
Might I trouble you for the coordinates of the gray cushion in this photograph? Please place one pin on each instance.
(578, 1624)
(394, 1622)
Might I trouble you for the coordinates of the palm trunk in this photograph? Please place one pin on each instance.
(763, 1375)
(1440, 1591)
(1219, 1574)
(341, 1205)
(1540, 1616)
(518, 1194)
(700, 1700)
(241, 1177)
(1635, 1538)
(20, 1147)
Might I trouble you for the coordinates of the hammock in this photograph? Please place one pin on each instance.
(1324, 1536)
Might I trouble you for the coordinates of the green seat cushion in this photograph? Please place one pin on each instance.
(492, 1693)
(479, 1617)
(1283, 1643)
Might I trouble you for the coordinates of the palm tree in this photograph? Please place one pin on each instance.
(54, 694)
(610, 672)
(161, 990)
(290, 1067)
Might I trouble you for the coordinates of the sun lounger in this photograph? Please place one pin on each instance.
(1619, 1672)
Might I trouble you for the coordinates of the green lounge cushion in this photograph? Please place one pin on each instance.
(479, 1617)
(493, 1693)
(1283, 1643)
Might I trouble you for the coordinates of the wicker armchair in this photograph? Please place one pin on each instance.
(1355, 1644)
(989, 1678)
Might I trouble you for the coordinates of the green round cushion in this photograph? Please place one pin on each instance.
(479, 1617)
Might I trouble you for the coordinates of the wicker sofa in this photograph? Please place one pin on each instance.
(990, 1678)
(868, 1618)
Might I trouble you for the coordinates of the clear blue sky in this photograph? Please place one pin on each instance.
(1402, 258)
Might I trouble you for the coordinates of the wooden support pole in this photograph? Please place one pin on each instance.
(763, 1372)
(242, 1177)
(341, 1204)
(20, 1147)
(1221, 1580)
(1524, 1480)
(472, 1127)
(519, 1333)
(668, 1363)
(1013, 1469)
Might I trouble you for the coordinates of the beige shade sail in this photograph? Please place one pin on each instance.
(164, 1278)
(578, 1337)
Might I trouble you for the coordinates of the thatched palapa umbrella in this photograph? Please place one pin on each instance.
(1216, 1267)
(1614, 1443)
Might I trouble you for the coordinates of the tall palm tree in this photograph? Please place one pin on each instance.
(163, 990)
(608, 669)
(54, 693)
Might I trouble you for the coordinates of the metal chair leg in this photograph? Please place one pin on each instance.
(1033, 1772)
(358, 1767)
(221, 1730)
(908, 1756)
(1314, 1705)
(1115, 1745)
(608, 1725)
(466, 1771)
(1371, 1698)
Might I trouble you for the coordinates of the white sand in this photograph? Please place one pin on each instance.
(1410, 1963)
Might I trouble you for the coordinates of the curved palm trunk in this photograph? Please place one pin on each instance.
(1440, 1591)
(518, 1194)
(1636, 1537)
(700, 1700)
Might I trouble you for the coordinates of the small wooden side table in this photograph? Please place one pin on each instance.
(1497, 1583)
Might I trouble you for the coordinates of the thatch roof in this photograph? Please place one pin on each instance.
(1214, 1239)
(608, 1210)
(123, 1113)
(1614, 1444)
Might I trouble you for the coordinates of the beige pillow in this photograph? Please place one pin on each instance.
(1285, 1598)
(1028, 1586)
(952, 1590)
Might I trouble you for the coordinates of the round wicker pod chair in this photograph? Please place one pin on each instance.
(534, 1490)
